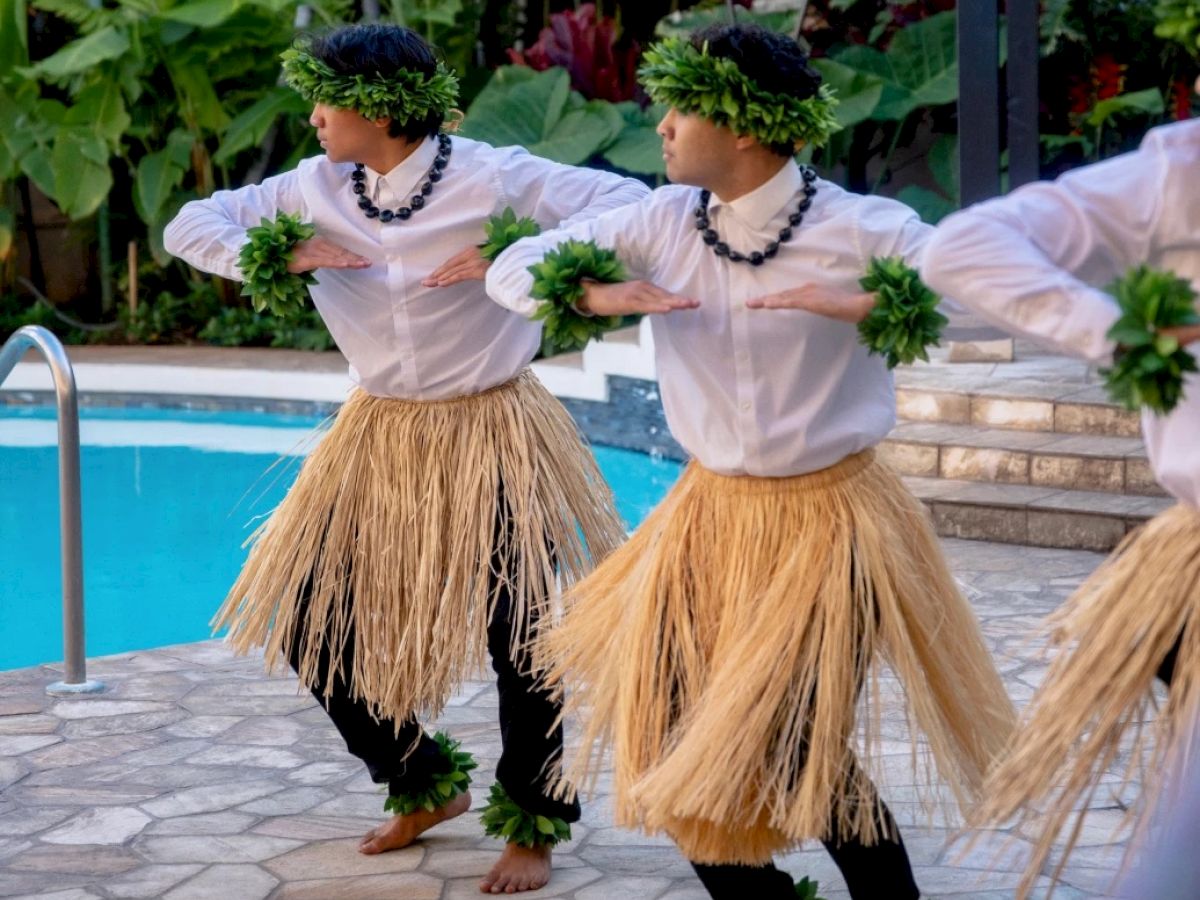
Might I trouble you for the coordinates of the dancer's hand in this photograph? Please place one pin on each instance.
(627, 298)
(833, 303)
(467, 265)
(318, 253)
(1185, 334)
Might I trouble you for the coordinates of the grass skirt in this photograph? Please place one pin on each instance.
(722, 651)
(391, 530)
(1112, 636)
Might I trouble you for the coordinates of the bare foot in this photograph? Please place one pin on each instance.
(519, 869)
(400, 831)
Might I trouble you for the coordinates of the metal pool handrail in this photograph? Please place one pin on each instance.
(75, 679)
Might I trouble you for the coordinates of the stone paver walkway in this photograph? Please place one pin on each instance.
(195, 776)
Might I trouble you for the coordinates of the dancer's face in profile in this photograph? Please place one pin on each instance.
(345, 135)
(696, 151)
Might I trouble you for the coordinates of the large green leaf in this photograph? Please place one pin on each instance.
(250, 126)
(156, 179)
(14, 39)
(538, 111)
(920, 67)
(28, 138)
(638, 148)
(82, 178)
(931, 206)
(580, 133)
(943, 163)
(81, 55)
(1147, 102)
(201, 106)
(179, 147)
(101, 107)
(858, 92)
(202, 13)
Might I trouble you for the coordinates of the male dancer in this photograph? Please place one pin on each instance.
(722, 651)
(1032, 262)
(453, 492)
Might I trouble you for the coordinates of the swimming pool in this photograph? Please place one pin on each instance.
(168, 499)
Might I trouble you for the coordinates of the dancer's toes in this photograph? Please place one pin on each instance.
(518, 869)
(400, 831)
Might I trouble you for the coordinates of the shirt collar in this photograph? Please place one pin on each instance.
(402, 180)
(766, 201)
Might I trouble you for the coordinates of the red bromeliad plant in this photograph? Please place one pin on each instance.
(586, 46)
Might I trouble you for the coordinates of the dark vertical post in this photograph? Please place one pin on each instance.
(978, 101)
(1024, 54)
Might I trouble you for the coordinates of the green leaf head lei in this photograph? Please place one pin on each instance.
(404, 96)
(675, 73)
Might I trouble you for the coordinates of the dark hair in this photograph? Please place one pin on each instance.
(773, 61)
(363, 49)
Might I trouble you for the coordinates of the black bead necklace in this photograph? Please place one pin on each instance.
(358, 184)
(758, 257)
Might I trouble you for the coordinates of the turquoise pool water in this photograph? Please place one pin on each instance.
(168, 499)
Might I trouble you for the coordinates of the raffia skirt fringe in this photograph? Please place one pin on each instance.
(1110, 639)
(721, 651)
(390, 537)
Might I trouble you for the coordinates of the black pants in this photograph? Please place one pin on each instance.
(1166, 669)
(527, 717)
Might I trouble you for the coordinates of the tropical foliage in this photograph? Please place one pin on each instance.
(119, 111)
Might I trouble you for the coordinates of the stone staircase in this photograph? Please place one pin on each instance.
(1030, 452)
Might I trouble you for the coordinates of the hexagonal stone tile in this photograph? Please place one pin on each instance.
(340, 858)
(410, 886)
(225, 882)
(106, 825)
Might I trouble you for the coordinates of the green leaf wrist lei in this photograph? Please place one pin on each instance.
(904, 321)
(264, 259)
(559, 279)
(503, 818)
(677, 74)
(402, 96)
(1149, 367)
(503, 231)
(444, 786)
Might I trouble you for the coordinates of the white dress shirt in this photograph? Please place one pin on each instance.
(403, 339)
(759, 392)
(1033, 262)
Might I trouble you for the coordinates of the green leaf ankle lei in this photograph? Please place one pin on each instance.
(502, 818)
(1148, 367)
(904, 320)
(404, 96)
(806, 889)
(558, 280)
(505, 230)
(263, 262)
(677, 74)
(446, 785)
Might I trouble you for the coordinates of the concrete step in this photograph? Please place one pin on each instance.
(1044, 459)
(1033, 515)
(1019, 405)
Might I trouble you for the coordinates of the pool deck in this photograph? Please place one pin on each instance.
(196, 776)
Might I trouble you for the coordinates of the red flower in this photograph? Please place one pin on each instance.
(1181, 99)
(585, 47)
(1108, 76)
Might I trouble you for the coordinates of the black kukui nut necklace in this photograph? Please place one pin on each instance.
(358, 184)
(758, 257)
